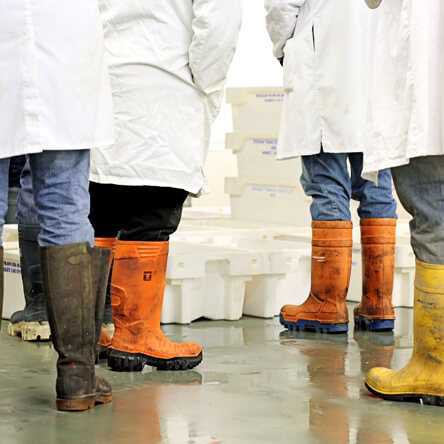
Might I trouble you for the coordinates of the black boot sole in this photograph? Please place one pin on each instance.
(120, 361)
(437, 401)
(314, 326)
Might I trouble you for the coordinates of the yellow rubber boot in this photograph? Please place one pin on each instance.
(422, 380)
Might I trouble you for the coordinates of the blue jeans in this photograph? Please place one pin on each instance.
(327, 179)
(54, 195)
(420, 187)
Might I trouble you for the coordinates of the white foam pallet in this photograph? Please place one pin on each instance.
(256, 108)
(256, 160)
(14, 299)
(207, 281)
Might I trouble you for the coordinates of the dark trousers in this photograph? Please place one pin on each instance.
(136, 213)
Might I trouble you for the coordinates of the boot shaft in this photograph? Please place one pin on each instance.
(67, 277)
(332, 244)
(429, 312)
(138, 282)
(378, 239)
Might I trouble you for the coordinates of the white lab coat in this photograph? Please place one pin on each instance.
(406, 85)
(168, 62)
(324, 43)
(54, 85)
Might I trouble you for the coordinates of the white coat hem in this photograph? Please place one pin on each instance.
(193, 186)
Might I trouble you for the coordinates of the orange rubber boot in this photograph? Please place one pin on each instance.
(107, 330)
(378, 239)
(138, 285)
(325, 310)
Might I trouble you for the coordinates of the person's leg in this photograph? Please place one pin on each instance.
(326, 179)
(31, 323)
(4, 174)
(420, 187)
(138, 284)
(74, 274)
(377, 210)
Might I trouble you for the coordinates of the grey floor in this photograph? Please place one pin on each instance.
(257, 385)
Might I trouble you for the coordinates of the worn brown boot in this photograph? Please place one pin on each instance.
(325, 310)
(378, 239)
(71, 296)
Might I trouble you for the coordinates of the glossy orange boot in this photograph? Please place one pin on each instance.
(378, 239)
(325, 310)
(138, 285)
(107, 329)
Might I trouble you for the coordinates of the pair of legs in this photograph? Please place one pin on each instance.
(73, 275)
(420, 187)
(332, 185)
(136, 222)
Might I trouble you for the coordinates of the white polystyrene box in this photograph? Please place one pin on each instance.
(10, 233)
(256, 160)
(403, 288)
(206, 281)
(285, 279)
(14, 299)
(256, 109)
(268, 203)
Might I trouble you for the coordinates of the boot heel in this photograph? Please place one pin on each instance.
(76, 405)
(103, 399)
(374, 325)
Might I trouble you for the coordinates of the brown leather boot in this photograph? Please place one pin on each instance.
(138, 284)
(325, 310)
(378, 239)
(72, 298)
(107, 327)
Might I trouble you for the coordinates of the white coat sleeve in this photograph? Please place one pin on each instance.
(216, 26)
(281, 19)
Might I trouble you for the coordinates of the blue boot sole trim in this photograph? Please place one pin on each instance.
(314, 326)
(365, 324)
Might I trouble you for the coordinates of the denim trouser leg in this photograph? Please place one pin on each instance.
(4, 188)
(420, 187)
(376, 201)
(326, 178)
(26, 209)
(60, 181)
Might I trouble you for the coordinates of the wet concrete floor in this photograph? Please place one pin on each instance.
(258, 384)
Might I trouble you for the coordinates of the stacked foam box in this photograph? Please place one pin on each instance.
(266, 190)
(13, 287)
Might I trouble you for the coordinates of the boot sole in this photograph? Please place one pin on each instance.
(129, 362)
(82, 405)
(433, 400)
(364, 324)
(31, 331)
(314, 326)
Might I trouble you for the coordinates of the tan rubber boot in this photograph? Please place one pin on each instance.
(378, 239)
(422, 380)
(325, 310)
(138, 285)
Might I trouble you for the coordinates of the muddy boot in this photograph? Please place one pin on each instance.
(31, 323)
(138, 284)
(107, 327)
(422, 379)
(378, 239)
(325, 310)
(1, 286)
(71, 297)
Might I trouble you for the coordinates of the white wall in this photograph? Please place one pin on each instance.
(254, 64)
